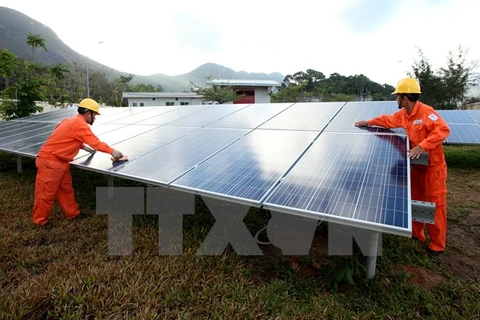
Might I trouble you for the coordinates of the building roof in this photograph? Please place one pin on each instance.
(160, 95)
(244, 83)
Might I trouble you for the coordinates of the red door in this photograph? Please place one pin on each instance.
(249, 96)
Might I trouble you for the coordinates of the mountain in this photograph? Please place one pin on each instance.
(15, 27)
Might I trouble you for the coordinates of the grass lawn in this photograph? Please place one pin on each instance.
(66, 271)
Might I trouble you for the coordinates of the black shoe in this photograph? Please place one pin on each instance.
(80, 216)
(433, 253)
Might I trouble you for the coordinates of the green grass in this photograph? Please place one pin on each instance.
(65, 272)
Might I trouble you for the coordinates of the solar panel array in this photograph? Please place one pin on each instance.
(306, 159)
(464, 126)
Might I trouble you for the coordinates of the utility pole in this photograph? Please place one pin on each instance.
(88, 84)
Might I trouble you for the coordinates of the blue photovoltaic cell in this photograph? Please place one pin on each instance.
(246, 170)
(205, 117)
(145, 114)
(54, 116)
(134, 147)
(176, 114)
(178, 157)
(456, 116)
(26, 138)
(22, 127)
(354, 179)
(123, 133)
(109, 115)
(102, 128)
(464, 134)
(355, 111)
(475, 114)
(304, 116)
(4, 125)
(251, 116)
(7, 126)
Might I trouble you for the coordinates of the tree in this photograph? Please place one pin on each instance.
(430, 83)
(56, 90)
(8, 65)
(21, 99)
(221, 94)
(119, 88)
(141, 87)
(455, 79)
(445, 88)
(35, 41)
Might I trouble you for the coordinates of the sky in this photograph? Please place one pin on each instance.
(377, 38)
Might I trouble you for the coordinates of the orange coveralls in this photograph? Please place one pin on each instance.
(54, 178)
(425, 128)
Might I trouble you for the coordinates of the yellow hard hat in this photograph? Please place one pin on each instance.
(407, 85)
(90, 104)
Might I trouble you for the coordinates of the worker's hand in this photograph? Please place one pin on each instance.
(361, 123)
(117, 154)
(415, 153)
(88, 149)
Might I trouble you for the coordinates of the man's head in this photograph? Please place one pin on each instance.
(88, 108)
(407, 88)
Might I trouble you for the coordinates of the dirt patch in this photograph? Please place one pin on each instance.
(420, 277)
(462, 256)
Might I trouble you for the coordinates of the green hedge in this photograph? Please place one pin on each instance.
(465, 157)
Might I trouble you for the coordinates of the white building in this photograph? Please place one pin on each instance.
(255, 91)
(155, 99)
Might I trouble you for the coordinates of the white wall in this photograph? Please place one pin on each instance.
(149, 102)
(261, 95)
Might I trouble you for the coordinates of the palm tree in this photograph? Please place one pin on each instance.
(58, 71)
(35, 41)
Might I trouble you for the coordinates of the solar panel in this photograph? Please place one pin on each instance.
(26, 138)
(354, 179)
(247, 169)
(5, 125)
(250, 117)
(304, 116)
(464, 134)
(20, 127)
(475, 114)
(456, 116)
(110, 115)
(287, 163)
(365, 110)
(205, 117)
(176, 114)
(52, 116)
(132, 146)
(178, 157)
(132, 117)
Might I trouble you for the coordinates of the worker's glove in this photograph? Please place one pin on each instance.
(88, 149)
(117, 154)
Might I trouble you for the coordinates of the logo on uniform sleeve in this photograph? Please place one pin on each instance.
(419, 121)
(433, 117)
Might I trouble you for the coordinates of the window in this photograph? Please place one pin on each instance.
(184, 103)
(142, 104)
(153, 99)
(170, 103)
(134, 104)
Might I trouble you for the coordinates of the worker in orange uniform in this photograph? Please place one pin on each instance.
(54, 178)
(426, 131)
